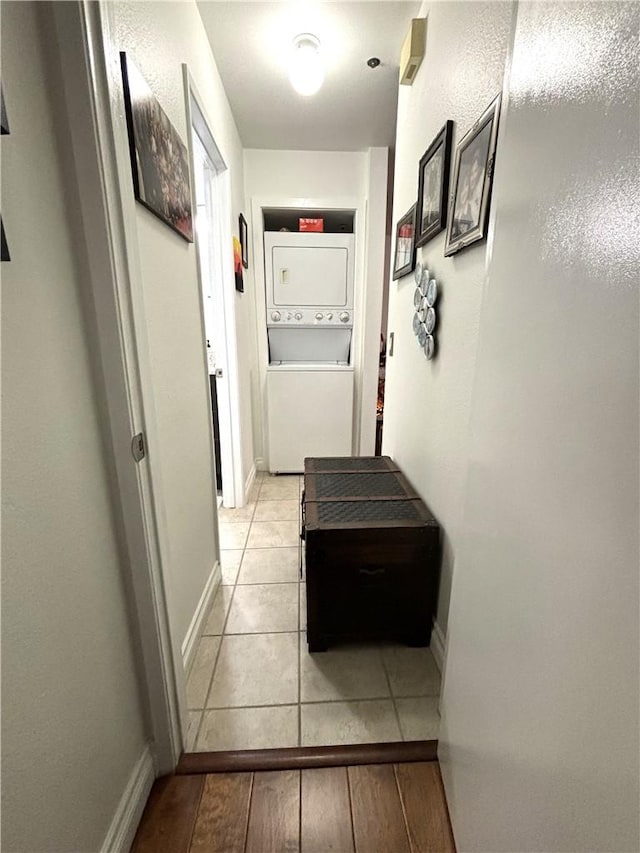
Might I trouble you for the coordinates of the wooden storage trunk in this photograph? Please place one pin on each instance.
(361, 485)
(372, 557)
(324, 464)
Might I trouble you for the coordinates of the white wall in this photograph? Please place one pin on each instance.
(159, 37)
(72, 727)
(343, 178)
(304, 174)
(539, 742)
(427, 404)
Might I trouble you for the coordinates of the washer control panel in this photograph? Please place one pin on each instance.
(309, 317)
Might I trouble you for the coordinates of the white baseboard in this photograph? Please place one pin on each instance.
(127, 816)
(260, 464)
(438, 643)
(194, 631)
(249, 481)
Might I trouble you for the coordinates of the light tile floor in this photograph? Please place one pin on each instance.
(253, 683)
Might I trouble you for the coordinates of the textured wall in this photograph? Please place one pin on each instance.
(539, 743)
(72, 727)
(159, 37)
(427, 403)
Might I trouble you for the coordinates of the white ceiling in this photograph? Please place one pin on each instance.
(356, 106)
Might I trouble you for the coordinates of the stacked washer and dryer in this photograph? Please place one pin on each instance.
(310, 296)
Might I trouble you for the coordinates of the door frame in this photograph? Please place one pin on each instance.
(91, 81)
(198, 121)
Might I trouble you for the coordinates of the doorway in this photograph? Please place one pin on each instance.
(209, 188)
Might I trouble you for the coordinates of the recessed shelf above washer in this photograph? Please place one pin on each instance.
(335, 221)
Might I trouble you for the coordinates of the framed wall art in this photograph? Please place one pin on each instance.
(404, 258)
(472, 179)
(237, 265)
(4, 248)
(159, 159)
(244, 241)
(4, 121)
(433, 186)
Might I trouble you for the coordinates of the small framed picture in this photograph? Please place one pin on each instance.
(433, 186)
(4, 246)
(237, 265)
(4, 121)
(244, 240)
(404, 259)
(472, 178)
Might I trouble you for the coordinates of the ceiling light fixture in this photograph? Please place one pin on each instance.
(306, 71)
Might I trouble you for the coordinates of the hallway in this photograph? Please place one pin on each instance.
(253, 684)
(520, 436)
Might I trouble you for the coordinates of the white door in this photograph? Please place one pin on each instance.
(206, 183)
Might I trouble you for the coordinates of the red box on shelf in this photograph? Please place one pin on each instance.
(311, 224)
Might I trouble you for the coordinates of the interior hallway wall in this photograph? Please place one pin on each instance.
(159, 37)
(338, 176)
(427, 404)
(539, 741)
(72, 723)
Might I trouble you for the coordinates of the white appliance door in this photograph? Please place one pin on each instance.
(310, 413)
(313, 276)
(315, 345)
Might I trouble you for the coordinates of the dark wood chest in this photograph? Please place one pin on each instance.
(372, 553)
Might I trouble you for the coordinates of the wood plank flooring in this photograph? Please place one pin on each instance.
(376, 808)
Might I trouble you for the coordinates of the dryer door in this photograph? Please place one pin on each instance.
(310, 276)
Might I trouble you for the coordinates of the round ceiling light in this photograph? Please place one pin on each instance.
(306, 71)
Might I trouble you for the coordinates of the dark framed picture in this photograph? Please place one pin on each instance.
(237, 265)
(244, 241)
(433, 186)
(472, 178)
(4, 248)
(404, 258)
(4, 121)
(159, 159)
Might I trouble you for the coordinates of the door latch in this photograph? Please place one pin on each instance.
(219, 373)
(138, 447)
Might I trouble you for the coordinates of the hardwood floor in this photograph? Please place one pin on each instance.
(375, 808)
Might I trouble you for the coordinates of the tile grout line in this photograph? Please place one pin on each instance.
(263, 583)
(213, 668)
(224, 624)
(294, 704)
(215, 663)
(213, 672)
(222, 635)
(391, 693)
(257, 520)
(289, 547)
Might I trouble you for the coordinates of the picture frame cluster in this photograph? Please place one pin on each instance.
(460, 205)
